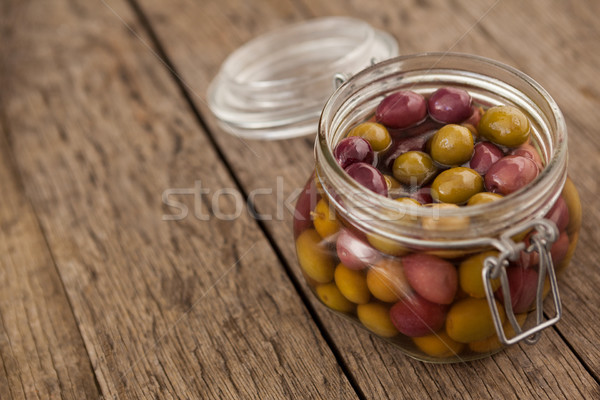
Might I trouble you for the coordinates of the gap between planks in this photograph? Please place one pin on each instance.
(160, 52)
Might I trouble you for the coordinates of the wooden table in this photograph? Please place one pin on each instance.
(103, 109)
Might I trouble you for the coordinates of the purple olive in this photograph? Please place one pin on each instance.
(401, 109)
(353, 149)
(559, 214)
(560, 248)
(509, 174)
(485, 155)
(422, 195)
(449, 105)
(353, 252)
(368, 176)
(415, 316)
(306, 203)
(527, 150)
(475, 117)
(522, 283)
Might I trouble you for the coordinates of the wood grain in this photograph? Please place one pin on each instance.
(42, 355)
(167, 309)
(548, 370)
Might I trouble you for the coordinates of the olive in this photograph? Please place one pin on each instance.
(314, 257)
(449, 105)
(404, 144)
(522, 284)
(483, 198)
(376, 318)
(408, 201)
(559, 214)
(509, 174)
(485, 154)
(415, 316)
(324, 220)
(352, 284)
(437, 223)
(469, 274)
(573, 204)
(353, 252)
(401, 109)
(353, 149)
(368, 176)
(385, 245)
(414, 168)
(438, 344)
(492, 343)
(304, 205)
(333, 298)
(434, 278)
(527, 150)
(471, 320)
(473, 120)
(422, 195)
(559, 249)
(376, 134)
(456, 185)
(452, 145)
(504, 125)
(394, 187)
(386, 280)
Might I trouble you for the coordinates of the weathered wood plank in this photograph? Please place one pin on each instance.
(42, 355)
(548, 370)
(167, 309)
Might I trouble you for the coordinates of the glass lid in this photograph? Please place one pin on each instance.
(275, 86)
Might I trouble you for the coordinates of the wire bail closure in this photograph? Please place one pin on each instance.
(494, 267)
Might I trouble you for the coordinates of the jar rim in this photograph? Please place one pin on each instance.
(532, 201)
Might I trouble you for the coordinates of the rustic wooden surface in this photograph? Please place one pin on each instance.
(102, 108)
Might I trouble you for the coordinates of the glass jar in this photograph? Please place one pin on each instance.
(444, 285)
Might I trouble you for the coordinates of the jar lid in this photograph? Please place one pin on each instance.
(275, 86)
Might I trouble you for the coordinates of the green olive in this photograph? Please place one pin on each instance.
(456, 185)
(452, 145)
(413, 168)
(376, 134)
(483, 197)
(504, 125)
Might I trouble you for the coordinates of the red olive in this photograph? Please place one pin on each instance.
(401, 109)
(415, 316)
(510, 174)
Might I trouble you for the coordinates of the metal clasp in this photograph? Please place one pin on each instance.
(541, 241)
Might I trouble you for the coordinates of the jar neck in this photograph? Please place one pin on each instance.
(489, 83)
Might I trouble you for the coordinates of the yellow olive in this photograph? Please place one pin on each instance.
(492, 343)
(504, 125)
(483, 198)
(438, 223)
(313, 257)
(470, 320)
(385, 245)
(469, 274)
(413, 168)
(352, 284)
(386, 280)
(324, 220)
(376, 318)
(456, 185)
(376, 134)
(438, 344)
(333, 298)
(452, 145)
